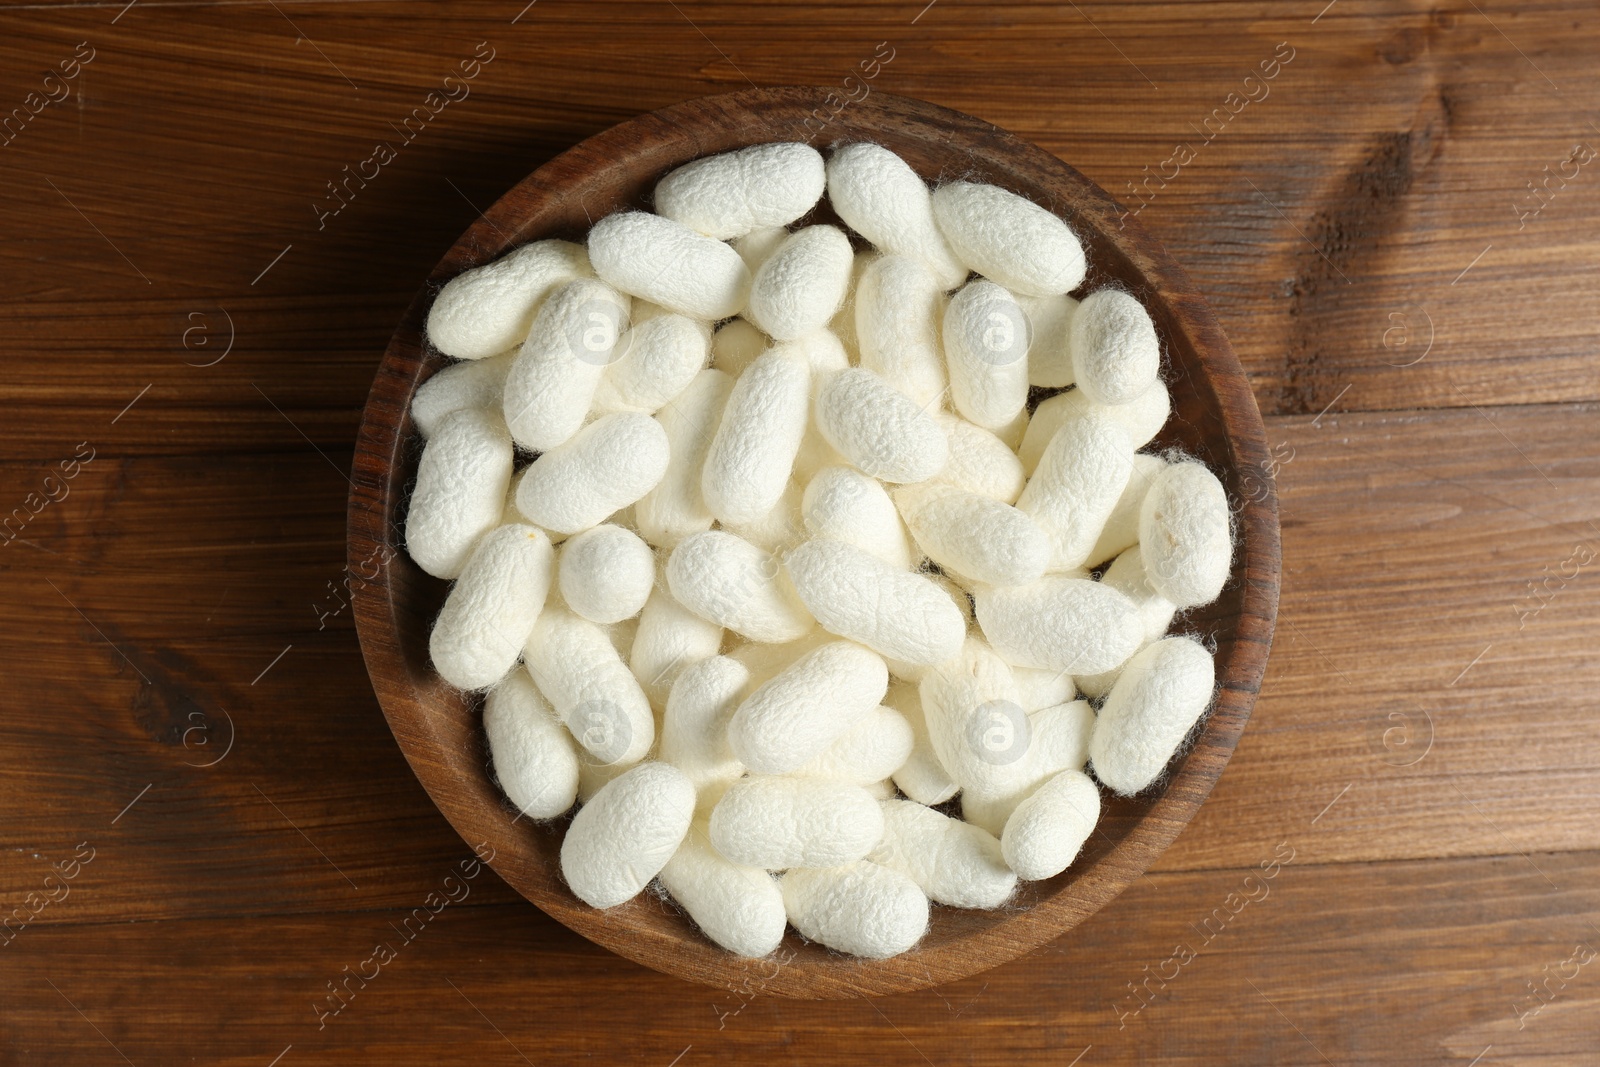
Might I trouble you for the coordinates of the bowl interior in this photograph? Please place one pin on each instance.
(1214, 418)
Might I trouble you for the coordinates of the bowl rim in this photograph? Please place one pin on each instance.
(378, 487)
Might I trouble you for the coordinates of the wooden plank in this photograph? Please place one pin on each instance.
(1327, 223)
(1349, 964)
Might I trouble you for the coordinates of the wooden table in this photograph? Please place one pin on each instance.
(1399, 232)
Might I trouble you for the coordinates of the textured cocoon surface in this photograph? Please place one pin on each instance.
(533, 754)
(675, 508)
(725, 579)
(1121, 529)
(735, 346)
(579, 671)
(974, 536)
(879, 196)
(1058, 740)
(731, 194)
(1127, 576)
(662, 261)
(765, 661)
(871, 750)
(626, 833)
(655, 361)
(921, 777)
(611, 463)
(779, 528)
(669, 639)
(1008, 239)
(551, 384)
(879, 428)
(1141, 419)
(979, 461)
(475, 383)
(975, 722)
(777, 823)
(899, 307)
(1042, 688)
(802, 283)
(1059, 623)
(1185, 530)
(1045, 833)
(755, 246)
(986, 349)
(951, 861)
(752, 454)
(492, 607)
(694, 729)
(845, 505)
(843, 323)
(865, 908)
(1115, 353)
(460, 492)
(1050, 353)
(857, 595)
(1080, 477)
(490, 309)
(794, 717)
(1162, 692)
(740, 908)
(606, 573)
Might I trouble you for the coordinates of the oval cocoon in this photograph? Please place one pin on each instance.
(1185, 530)
(611, 463)
(740, 908)
(794, 717)
(694, 730)
(777, 823)
(802, 283)
(475, 383)
(979, 461)
(953, 862)
(879, 196)
(843, 504)
(1115, 353)
(1161, 694)
(1008, 239)
(667, 263)
(1059, 623)
(490, 309)
(974, 536)
(533, 755)
(986, 347)
(752, 455)
(626, 833)
(551, 384)
(654, 362)
(871, 750)
(730, 194)
(1050, 350)
(896, 613)
(921, 777)
(579, 671)
(879, 428)
(899, 306)
(675, 508)
(1045, 833)
(492, 607)
(1081, 475)
(863, 908)
(460, 492)
(606, 573)
(725, 579)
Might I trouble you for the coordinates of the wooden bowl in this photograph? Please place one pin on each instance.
(1214, 417)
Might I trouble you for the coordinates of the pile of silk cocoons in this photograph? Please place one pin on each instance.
(763, 557)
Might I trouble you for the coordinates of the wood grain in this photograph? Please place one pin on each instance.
(196, 142)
